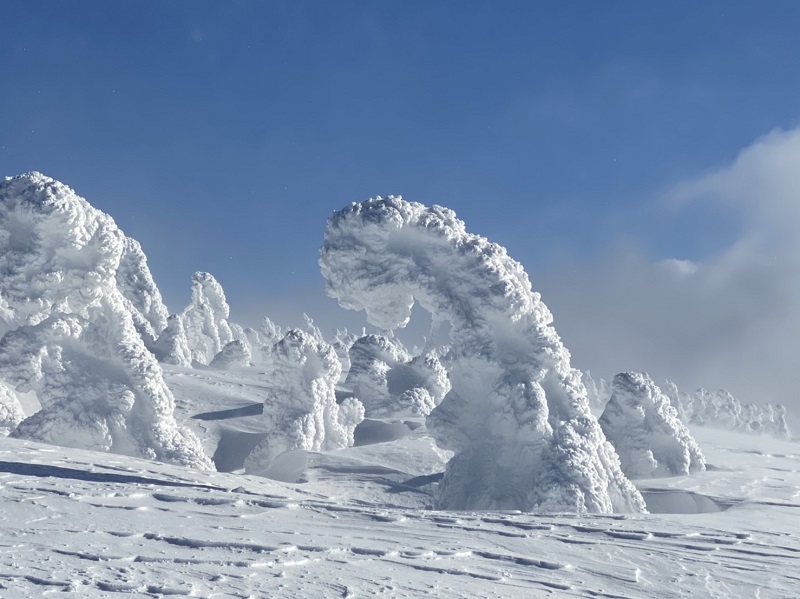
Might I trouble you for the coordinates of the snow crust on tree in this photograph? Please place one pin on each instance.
(78, 307)
(720, 409)
(390, 383)
(645, 429)
(300, 409)
(517, 416)
(11, 412)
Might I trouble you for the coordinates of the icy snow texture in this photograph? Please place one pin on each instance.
(645, 429)
(517, 417)
(79, 306)
(720, 409)
(390, 383)
(11, 413)
(300, 410)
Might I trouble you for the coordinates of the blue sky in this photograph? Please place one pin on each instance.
(221, 135)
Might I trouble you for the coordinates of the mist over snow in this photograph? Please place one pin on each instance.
(730, 320)
(517, 416)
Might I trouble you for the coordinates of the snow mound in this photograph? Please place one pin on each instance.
(390, 383)
(645, 429)
(79, 309)
(517, 416)
(721, 410)
(300, 411)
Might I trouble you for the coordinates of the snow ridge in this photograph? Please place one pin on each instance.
(517, 416)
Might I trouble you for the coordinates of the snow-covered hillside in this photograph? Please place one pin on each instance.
(188, 455)
(88, 524)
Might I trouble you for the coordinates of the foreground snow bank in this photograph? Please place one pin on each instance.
(645, 430)
(79, 309)
(517, 417)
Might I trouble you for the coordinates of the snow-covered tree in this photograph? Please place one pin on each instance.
(79, 308)
(205, 320)
(645, 429)
(720, 409)
(517, 417)
(300, 410)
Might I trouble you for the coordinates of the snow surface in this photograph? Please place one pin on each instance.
(645, 430)
(78, 523)
(517, 417)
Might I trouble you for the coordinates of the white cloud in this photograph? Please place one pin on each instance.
(731, 320)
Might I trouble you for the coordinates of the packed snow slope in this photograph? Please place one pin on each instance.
(77, 523)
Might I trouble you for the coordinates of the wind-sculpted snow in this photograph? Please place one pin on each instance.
(390, 383)
(11, 413)
(645, 429)
(300, 410)
(79, 308)
(517, 417)
(720, 409)
(205, 320)
(58, 254)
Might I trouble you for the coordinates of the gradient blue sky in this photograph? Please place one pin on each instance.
(221, 135)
